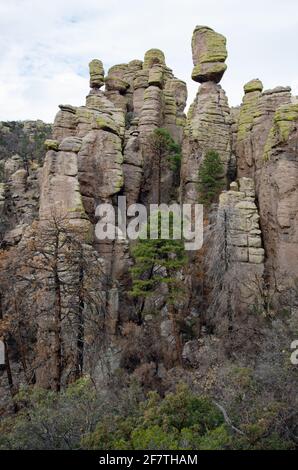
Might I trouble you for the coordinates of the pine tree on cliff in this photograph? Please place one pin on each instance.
(165, 152)
(159, 261)
(210, 178)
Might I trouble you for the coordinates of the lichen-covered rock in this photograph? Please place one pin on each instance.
(132, 170)
(105, 123)
(248, 108)
(140, 83)
(278, 199)
(141, 79)
(60, 187)
(100, 165)
(116, 86)
(98, 151)
(96, 72)
(133, 67)
(253, 126)
(65, 122)
(151, 114)
(153, 57)
(51, 144)
(253, 85)
(71, 144)
(243, 231)
(156, 75)
(265, 149)
(284, 122)
(243, 142)
(235, 113)
(179, 91)
(131, 70)
(209, 54)
(208, 128)
(100, 112)
(19, 200)
(11, 165)
(209, 119)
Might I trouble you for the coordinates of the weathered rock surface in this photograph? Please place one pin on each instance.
(99, 151)
(96, 73)
(265, 149)
(278, 198)
(208, 128)
(209, 54)
(243, 231)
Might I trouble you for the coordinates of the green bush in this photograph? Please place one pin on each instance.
(180, 421)
(83, 417)
(48, 420)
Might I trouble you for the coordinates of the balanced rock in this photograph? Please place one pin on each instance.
(209, 54)
(253, 85)
(96, 73)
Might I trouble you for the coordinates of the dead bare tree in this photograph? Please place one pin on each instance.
(62, 277)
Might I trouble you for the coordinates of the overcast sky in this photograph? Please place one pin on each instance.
(46, 45)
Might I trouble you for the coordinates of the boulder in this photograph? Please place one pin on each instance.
(153, 57)
(209, 54)
(96, 72)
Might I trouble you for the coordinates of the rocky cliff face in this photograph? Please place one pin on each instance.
(266, 151)
(100, 150)
(21, 156)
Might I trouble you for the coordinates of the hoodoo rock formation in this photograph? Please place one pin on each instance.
(79, 314)
(209, 120)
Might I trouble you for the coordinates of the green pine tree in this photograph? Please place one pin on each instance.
(166, 153)
(210, 182)
(158, 261)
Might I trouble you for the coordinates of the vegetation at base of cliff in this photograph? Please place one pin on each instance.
(83, 417)
(210, 182)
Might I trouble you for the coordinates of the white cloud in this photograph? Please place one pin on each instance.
(46, 46)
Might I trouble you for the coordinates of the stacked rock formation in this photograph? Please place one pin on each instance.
(278, 199)
(100, 150)
(247, 112)
(209, 120)
(265, 147)
(237, 239)
(243, 233)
